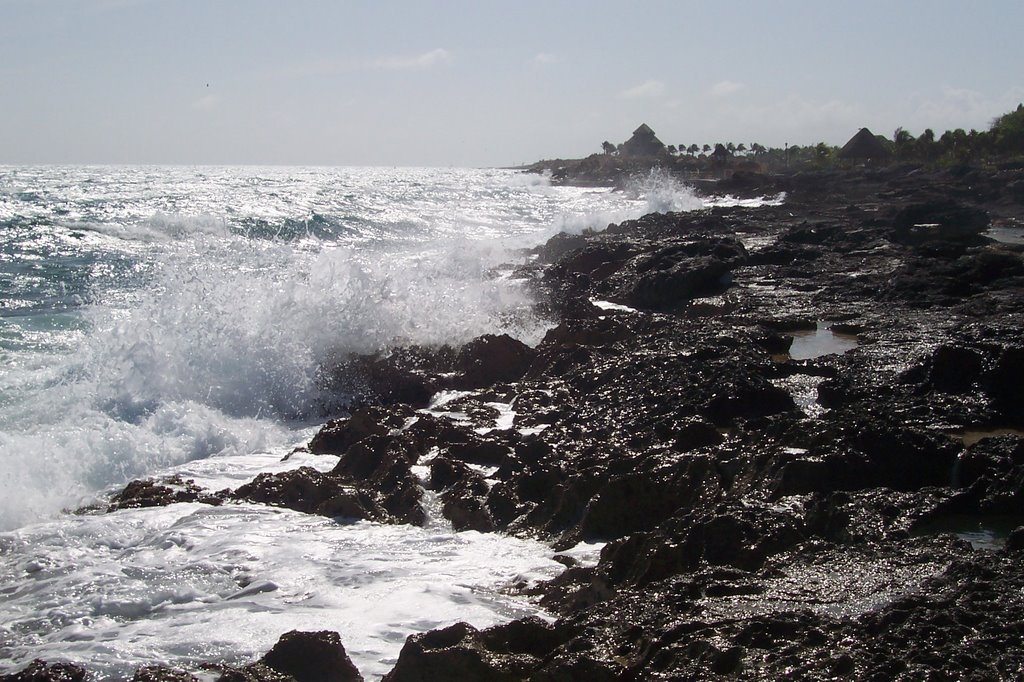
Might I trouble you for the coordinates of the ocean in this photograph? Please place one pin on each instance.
(159, 320)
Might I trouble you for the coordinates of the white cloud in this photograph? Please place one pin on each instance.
(115, 5)
(421, 61)
(207, 102)
(651, 88)
(725, 88)
(959, 108)
(334, 66)
(793, 118)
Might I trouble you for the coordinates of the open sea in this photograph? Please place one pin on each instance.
(158, 320)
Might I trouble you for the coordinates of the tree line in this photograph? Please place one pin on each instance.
(1003, 140)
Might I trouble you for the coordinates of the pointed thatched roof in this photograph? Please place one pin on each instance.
(643, 143)
(864, 145)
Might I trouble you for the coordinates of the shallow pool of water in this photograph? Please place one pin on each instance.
(1007, 234)
(983, 532)
(972, 436)
(815, 343)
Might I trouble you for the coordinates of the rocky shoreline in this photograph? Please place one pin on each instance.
(798, 428)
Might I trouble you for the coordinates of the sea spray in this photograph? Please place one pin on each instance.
(656, 191)
(169, 314)
(174, 320)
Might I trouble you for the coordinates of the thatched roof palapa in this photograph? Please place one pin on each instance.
(643, 143)
(864, 145)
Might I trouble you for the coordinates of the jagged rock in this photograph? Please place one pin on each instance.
(1005, 383)
(951, 369)
(938, 220)
(492, 359)
(673, 275)
(1015, 541)
(462, 493)
(312, 492)
(748, 399)
(403, 375)
(639, 501)
(159, 673)
(337, 435)
(461, 652)
(381, 464)
(993, 472)
(257, 672)
(312, 657)
(41, 671)
(150, 493)
(559, 245)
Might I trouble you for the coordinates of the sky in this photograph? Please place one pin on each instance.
(485, 83)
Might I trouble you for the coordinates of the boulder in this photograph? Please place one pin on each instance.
(941, 220)
(312, 657)
(41, 671)
(1005, 383)
(505, 653)
(492, 359)
(312, 492)
(149, 493)
(257, 672)
(160, 673)
(339, 434)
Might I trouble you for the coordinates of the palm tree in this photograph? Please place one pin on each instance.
(903, 141)
(706, 148)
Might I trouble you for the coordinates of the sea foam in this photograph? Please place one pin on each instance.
(207, 302)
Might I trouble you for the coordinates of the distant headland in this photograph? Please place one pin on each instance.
(1002, 143)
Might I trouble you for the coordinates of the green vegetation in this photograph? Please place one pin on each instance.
(1003, 141)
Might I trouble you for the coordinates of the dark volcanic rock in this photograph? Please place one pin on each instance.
(257, 672)
(312, 492)
(337, 435)
(159, 673)
(461, 652)
(766, 519)
(381, 465)
(492, 359)
(676, 274)
(149, 493)
(312, 657)
(1005, 383)
(402, 375)
(937, 221)
(41, 671)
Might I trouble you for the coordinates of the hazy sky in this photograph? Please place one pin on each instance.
(484, 83)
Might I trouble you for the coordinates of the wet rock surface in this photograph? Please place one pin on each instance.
(41, 671)
(764, 517)
(150, 493)
(768, 517)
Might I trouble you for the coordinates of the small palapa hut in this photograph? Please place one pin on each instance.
(643, 143)
(864, 146)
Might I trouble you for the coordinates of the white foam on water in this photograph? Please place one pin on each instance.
(205, 302)
(191, 583)
(608, 305)
(221, 338)
(655, 192)
(727, 201)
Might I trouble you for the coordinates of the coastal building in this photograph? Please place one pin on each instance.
(643, 143)
(864, 147)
